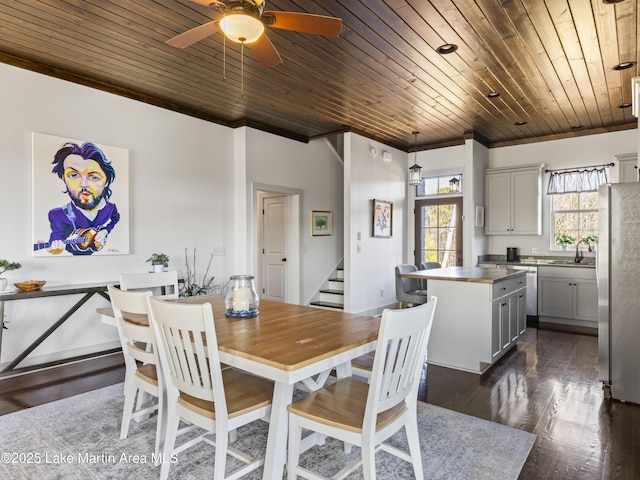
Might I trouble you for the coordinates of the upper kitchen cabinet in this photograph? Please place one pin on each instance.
(628, 164)
(513, 201)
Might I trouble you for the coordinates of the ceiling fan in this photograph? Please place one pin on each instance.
(244, 21)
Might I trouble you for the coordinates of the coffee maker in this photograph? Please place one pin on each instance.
(512, 254)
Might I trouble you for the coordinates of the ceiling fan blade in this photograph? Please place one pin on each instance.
(305, 23)
(194, 35)
(265, 52)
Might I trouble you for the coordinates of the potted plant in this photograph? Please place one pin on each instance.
(160, 261)
(5, 266)
(564, 240)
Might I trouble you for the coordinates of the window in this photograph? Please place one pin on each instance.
(440, 185)
(574, 215)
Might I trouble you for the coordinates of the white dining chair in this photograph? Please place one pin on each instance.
(364, 414)
(160, 283)
(142, 381)
(199, 391)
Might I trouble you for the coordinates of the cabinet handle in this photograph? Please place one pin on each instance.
(520, 296)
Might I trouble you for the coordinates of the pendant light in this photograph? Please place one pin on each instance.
(415, 175)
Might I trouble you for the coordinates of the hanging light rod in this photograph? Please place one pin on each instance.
(415, 175)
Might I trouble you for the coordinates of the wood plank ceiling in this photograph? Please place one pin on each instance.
(551, 61)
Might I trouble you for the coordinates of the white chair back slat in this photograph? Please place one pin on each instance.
(400, 351)
(193, 364)
(188, 351)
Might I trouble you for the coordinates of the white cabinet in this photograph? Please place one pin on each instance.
(568, 295)
(513, 201)
(508, 316)
(628, 167)
(476, 322)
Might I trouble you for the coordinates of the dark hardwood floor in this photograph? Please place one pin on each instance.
(548, 386)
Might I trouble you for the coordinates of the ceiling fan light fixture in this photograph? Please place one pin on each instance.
(241, 27)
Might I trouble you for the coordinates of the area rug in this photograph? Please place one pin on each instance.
(79, 438)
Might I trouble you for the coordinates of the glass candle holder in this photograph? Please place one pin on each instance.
(241, 298)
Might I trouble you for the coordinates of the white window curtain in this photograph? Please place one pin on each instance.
(573, 181)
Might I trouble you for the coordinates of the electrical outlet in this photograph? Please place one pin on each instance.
(358, 248)
(535, 249)
(382, 292)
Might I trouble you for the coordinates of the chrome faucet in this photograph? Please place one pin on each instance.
(579, 255)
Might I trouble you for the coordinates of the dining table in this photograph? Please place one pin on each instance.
(288, 344)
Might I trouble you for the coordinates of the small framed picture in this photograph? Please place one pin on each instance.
(321, 223)
(382, 218)
(479, 216)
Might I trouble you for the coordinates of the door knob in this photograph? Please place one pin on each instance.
(284, 259)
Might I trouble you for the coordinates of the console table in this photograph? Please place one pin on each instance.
(88, 290)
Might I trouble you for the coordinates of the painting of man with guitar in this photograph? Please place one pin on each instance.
(82, 225)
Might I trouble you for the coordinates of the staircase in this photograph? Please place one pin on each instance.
(331, 295)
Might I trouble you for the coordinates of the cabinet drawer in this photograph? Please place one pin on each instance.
(586, 273)
(506, 287)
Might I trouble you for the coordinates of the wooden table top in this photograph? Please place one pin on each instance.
(466, 274)
(283, 335)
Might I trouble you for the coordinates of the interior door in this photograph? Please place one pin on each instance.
(274, 248)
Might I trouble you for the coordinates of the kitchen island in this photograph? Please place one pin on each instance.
(480, 315)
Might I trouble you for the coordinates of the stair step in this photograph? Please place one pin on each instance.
(336, 280)
(332, 290)
(328, 304)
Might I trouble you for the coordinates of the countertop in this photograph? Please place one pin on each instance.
(536, 261)
(467, 274)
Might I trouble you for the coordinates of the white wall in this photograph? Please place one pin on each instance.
(181, 177)
(459, 159)
(190, 187)
(369, 273)
(472, 158)
(557, 154)
(313, 169)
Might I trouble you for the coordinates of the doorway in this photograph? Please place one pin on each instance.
(439, 231)
(278, 245)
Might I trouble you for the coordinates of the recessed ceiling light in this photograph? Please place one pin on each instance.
(576, 127)
(624, 65)
(625, 105)
(493, 95)
(611, 2)
(446, 48)
(519, 123)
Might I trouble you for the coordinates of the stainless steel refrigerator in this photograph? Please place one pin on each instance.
(618, 272)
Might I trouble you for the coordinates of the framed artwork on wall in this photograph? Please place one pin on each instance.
(382, 218)
(321, 223)
(80, 197)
